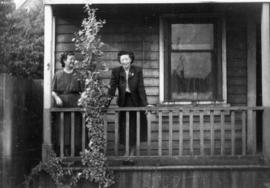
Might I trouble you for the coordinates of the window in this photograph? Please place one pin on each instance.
(192, 59)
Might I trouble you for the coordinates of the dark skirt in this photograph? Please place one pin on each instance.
(132, 124)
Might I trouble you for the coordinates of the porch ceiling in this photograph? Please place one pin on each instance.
(48, 2)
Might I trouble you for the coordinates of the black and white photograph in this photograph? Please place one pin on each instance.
(135, 94)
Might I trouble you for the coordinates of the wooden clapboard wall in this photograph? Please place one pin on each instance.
(142, 39)
(118, 35)
(236, 60)
(139, 32)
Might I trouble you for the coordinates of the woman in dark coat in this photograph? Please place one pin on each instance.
(128, 79)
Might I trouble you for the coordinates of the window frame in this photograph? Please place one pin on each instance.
(164, 53)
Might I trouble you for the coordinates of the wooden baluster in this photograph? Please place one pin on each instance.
(244, 133)
(148, 133)
(180, 133)
(83, 132)
(251, 132)
(212, 133)
(61, 134)
(72, 134)
(127, 133)
(222, 132)
(116, 133)
(191, 113)
(170, 132)
(160, 133)
(138, 133)
(105, 133)
(201, 134)
(233, 132)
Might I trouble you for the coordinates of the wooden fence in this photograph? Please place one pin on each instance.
(21, 106)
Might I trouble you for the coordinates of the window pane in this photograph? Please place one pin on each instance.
(191, 76)
(192, 36)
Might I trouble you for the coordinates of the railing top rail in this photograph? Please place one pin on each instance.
(169, 108)
(67, 109)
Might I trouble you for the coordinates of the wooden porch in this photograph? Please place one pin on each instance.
(175, 135)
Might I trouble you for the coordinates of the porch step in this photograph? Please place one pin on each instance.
(154, 149)
(191, 167)
(208, 176)
(156, 161)
(159, 161)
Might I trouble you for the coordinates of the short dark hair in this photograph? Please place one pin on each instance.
(129, 53)
(64, 57)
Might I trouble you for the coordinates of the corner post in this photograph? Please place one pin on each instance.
(265, 42)
(48, 61)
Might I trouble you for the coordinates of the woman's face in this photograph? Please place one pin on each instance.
(69, 63)
(125, 61)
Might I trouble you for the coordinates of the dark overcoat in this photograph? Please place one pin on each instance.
(136, 85)
(138, 97)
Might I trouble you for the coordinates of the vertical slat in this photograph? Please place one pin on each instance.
(138, 130)
(148, 134)
(127, 133)
(252, 82)
(191, 113)
(201, 134)
(170, 132)
(61, 134)
(116, 133)
(212, 131)
(72, 132)
(233, 132)
(160, 133)
(105, 133)
(180, 133)
(244, 126)
(251, 132)
(83, 132)
(222, 132)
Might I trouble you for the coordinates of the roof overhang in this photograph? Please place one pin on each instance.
(67, 2)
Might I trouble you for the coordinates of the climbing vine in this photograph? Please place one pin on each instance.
(93, 100)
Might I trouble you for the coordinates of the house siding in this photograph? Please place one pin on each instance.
(142, 37)
(236, 61)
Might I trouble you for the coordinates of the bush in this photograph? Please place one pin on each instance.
(21, 43)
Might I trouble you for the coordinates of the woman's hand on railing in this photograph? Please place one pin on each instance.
(57, 99)
(149, 106)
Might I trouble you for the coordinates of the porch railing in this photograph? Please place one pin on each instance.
(171, 131)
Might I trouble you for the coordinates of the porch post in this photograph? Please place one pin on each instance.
(265, 42)
(161, 60)
(252, 85)
(48, 59)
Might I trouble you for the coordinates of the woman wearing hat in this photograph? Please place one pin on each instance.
(128, 79)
